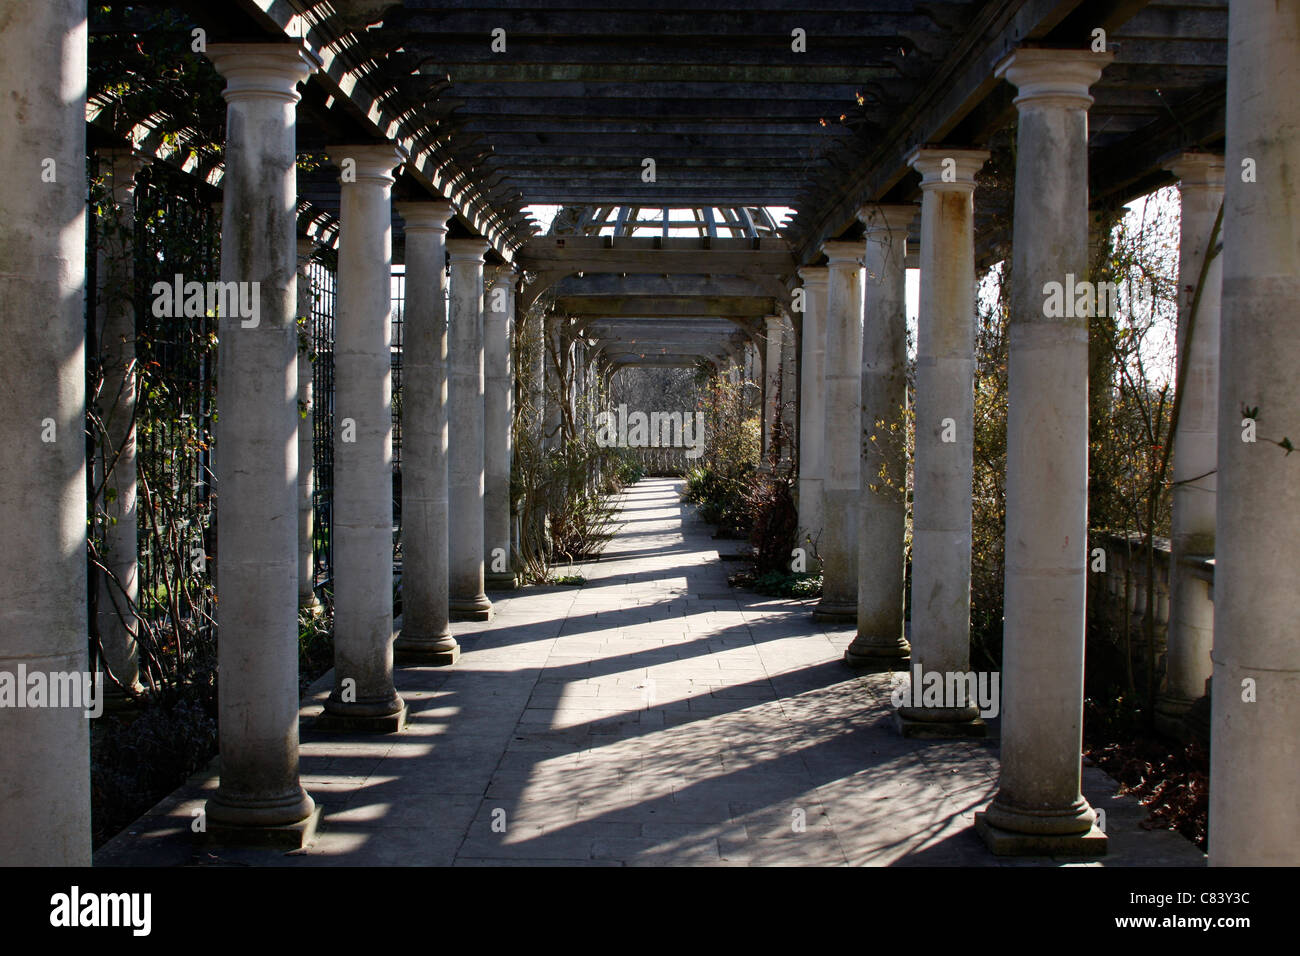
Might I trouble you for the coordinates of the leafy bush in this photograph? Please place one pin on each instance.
(137, 759)
(779, 584)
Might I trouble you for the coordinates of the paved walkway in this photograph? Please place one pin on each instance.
(652, 716)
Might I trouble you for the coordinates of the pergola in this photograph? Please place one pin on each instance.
(668, 132)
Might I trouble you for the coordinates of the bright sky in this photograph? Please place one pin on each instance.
(544, 214)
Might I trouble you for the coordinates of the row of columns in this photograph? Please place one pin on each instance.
(1039, 796)
(1039, 806)
(43, 617)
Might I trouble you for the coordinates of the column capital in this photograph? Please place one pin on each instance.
(948, 169)
(882, 219)
(425, 215)
(502, 272)
(373, 162)
(842, 254)
(771, 322)
(1197, 170)
(122, 158)
(1058, 78)
(122, 166)
(306, 247)
(262, 70)
(467, 250)
(816, 276)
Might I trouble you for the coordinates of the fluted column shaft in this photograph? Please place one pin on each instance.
(839, 549)
(364, 697)
(425, 636)
(882, 500)
(465, 416)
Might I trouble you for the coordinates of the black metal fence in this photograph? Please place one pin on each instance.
(321, 331)
(177, 232)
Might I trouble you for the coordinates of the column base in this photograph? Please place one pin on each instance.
(287, 810)
(341, 717)
(312, 608)
(867, 654)
(1006, 843)
(500, 581)
(118, 703)
(477, 608)
(284, 836)
(949, 727)
(436, 651)
(1170, 715)
(836, 611)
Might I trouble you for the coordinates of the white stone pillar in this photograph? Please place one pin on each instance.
(257, 452)
(465, 411)
(842, 432)
(44, 762)
(1191, 612)
(1254, 756)
(425, 636)
(812, 407)
(364, 697)
(498, 409)
(943, 460)
(115, 322)
(789, 390)
(882, 500)
(307, 599)
(553, 353)
(774, 329)
(1039, 807)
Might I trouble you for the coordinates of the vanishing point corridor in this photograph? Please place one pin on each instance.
(653, 716)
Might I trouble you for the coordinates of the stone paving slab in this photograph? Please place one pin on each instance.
(652, 717)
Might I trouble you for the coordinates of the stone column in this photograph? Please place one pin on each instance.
(812, 407)
(1254, 770)
(771, 382)
(882, 500)
(364, 697)
(1191, 612)
(538, 399)
(44, 763)
(307, 599)
(841, 432)
(425, 636)
(789, 389)
(465, 411)
(498, 408)
(943, 460)
(552, 352)
(257, 454)
(116, 596)
(1039, 807)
